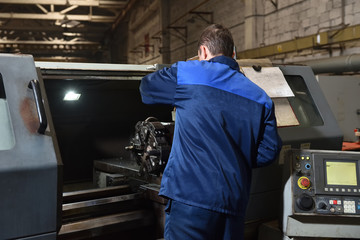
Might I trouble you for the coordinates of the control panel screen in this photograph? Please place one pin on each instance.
(341, 173)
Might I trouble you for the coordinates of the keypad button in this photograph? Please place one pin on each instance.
(349, 207)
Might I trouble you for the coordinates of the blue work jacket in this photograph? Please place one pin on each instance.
(225, 125)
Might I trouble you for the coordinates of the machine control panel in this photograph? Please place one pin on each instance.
(325, 182)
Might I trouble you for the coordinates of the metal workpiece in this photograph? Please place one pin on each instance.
(151, 145)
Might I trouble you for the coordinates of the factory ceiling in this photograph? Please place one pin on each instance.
(64, 30)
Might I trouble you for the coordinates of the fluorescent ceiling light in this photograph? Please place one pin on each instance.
(67, 23)
(72, 96)
(72, 34)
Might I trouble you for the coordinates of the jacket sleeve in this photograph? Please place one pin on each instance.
(270, 144)
(159, 87)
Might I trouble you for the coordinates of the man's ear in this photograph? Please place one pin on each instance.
(206, 52)
(234, 53)
(203, 53)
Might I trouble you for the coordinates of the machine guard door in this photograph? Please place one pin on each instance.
(28, 163)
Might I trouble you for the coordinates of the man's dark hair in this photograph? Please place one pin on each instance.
(218, 40)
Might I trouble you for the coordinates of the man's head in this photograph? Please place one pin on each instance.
(215, 40)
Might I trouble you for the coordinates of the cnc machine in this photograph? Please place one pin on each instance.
(93, 168)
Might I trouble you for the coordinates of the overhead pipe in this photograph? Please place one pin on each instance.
(337, 65)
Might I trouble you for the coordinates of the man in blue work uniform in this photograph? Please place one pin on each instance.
(225, 126)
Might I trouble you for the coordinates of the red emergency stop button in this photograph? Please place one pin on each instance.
(303, 183)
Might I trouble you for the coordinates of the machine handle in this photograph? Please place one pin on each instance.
(34, 85)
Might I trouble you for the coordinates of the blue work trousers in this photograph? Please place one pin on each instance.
(185, 222)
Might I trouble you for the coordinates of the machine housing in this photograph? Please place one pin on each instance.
(321, 194)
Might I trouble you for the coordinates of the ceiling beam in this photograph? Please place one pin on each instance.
(58, 16)
(40, 35)
(28, 27)
(66, 10)
(96, 3)
(54, 42)
(54, 2)
(44, 10)
(49, 51)
(89, 29)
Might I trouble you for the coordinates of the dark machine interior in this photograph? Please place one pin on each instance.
(97, 128)
(100, 124)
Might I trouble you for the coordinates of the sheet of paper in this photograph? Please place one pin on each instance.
(285, 116)
(271, 79)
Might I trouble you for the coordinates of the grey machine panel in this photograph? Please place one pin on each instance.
(28, 164)
(343, 95)
(318, 129)
(322, 194)
(318, 125)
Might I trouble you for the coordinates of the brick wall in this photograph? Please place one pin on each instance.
(298, 18)
(253, 23)
(226, 12)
